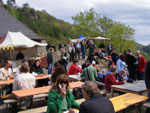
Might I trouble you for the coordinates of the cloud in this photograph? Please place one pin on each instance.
(135, 13)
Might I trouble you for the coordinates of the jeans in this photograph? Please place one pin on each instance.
(50, 68)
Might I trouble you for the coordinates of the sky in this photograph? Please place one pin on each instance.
(135, 13)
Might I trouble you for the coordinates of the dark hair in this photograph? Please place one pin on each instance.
(129, 50)
(87, 61)
(6, 61)
(62, 78)
(75, 61)
(122, 57)
(90, 88)
(24, 67)
(58, 71)
(56, 64)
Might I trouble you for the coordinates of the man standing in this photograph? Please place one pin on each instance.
(20, 56)
(114, 56)
(140, 65)
(109, 48)
(95, 102)
(147, 81)
(50, 60)
(130, 61)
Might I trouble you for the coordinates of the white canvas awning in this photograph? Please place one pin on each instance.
(18, 40)
(75, 40)
(99, 38)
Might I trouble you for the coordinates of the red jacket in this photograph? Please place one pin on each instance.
(74, 70)
(110, 79)
(141, 64)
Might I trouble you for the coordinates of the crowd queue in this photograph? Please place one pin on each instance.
(120, 69)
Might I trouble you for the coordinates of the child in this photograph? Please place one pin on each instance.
(123, 76)
(101, 76)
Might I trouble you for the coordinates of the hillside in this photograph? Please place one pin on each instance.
(54, 30)
(145, 50)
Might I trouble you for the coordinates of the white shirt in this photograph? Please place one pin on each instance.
(24, 81)
(121, 65)
(4, 73)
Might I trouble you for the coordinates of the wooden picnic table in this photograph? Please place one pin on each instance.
(137, 87)
(75, 77)
(124, 101)
(41, 90)
(120, 103)
(6, 82)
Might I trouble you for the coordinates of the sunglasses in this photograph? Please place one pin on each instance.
(63, 82)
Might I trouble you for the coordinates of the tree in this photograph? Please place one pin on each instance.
(11, 3)
(86, 23)
(90, 23)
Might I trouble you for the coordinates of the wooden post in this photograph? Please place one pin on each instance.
(10, 54)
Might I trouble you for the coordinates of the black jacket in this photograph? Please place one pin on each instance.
(97, 104)
(147, 75)
(49, 58)
(130, 61)
(36, 69)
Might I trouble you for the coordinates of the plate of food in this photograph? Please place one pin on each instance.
(75, 111)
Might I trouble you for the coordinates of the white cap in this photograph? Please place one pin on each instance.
(93, 62)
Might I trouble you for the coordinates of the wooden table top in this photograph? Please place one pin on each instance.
(123, 101)
(5, 82)
(40, 90)
(75, 77)
(137, 86)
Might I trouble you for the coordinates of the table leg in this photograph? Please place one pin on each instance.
(124, 111)
(112, 92)
(139, 108)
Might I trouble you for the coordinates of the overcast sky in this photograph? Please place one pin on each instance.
(135, 13)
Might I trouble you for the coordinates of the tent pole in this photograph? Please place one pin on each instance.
(10, 55)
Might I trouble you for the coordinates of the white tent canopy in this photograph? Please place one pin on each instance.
(19, 40)
(99, 38)
(75, 40)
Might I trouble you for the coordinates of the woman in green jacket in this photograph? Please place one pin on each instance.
(60, 99)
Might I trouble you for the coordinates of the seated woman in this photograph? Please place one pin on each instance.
(36, 68)
(110, 78)
(74, 69)
(60, 98)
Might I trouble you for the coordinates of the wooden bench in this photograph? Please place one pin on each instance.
(41, 90)
(44, 108)
(147, 104)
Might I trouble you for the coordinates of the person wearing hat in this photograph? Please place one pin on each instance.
(110, 62)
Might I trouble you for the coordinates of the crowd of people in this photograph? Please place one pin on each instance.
(120, 69)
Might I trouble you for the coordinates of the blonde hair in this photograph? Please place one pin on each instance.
(112, 68)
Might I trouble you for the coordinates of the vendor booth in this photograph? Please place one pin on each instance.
(13, 42)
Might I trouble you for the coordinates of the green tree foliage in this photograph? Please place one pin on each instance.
(91, 24)
(54, 30)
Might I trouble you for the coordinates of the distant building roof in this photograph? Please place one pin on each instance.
(10, 23)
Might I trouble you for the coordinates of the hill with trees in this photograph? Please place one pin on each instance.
(89, 23)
